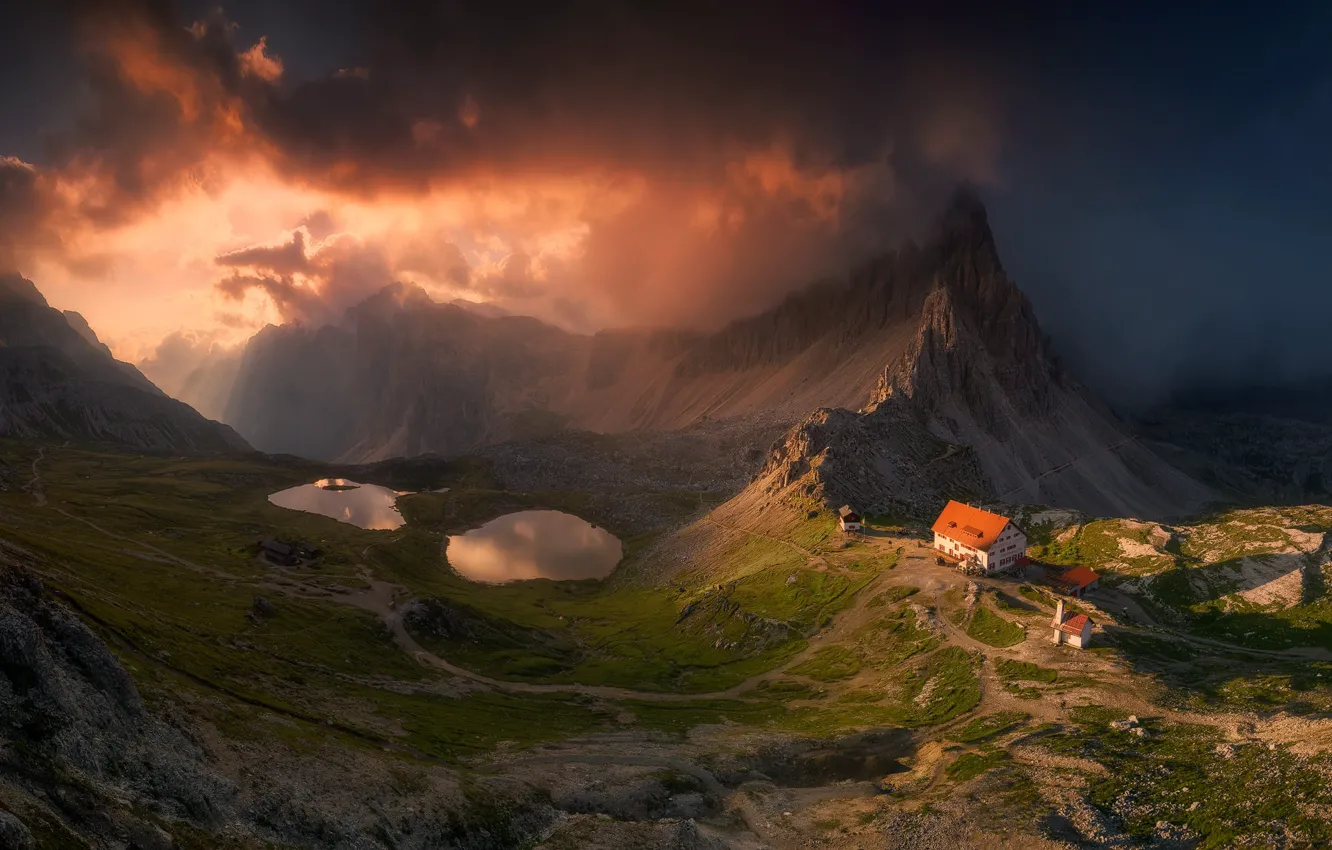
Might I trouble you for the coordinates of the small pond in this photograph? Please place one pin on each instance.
(534, 544)
(364, 505)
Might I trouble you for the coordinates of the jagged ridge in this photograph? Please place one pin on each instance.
(58, 381)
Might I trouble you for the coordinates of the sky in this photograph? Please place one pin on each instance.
(183, 173)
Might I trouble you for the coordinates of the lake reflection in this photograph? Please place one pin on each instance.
(365, 505)
(534, 544)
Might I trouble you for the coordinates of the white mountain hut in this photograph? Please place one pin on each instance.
(848, 520)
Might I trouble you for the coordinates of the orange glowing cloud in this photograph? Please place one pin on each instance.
(206, 200)
(136, 51)
(257, 62)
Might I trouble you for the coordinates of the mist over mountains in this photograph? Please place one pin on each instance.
(935, 328)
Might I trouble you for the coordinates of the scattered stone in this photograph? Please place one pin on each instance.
(13, 834)
(263, 608)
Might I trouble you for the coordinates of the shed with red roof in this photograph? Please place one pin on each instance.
(1071, 629)
(1077, 581)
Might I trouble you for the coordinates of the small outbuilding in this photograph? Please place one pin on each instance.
(1071, 629)
(1077, 581)
(848, 520)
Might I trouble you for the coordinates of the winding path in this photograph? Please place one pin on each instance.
(35, 485)
(380, 599)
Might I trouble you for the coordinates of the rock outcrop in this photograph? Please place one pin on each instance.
(85, 761)
(77, 744)
(58, 381)
(883, 462)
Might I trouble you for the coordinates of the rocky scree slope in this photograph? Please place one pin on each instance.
(58, 381)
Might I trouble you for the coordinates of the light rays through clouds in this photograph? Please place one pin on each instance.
(203, 191)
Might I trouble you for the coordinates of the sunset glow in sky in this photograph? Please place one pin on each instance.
(189, 199)
(170, 169)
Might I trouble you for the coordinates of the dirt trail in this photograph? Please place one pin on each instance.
(1301, 653)
(35, 485)
(381, 599)
(175, 559)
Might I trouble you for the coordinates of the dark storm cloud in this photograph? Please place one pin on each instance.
(437, 89)
(764, 146)
(1158, 177)
(653, 86)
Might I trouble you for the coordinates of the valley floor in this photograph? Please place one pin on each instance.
(777, 685)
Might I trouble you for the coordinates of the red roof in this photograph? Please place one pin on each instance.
(1079, 577)
(1073, 625)
(972, 526)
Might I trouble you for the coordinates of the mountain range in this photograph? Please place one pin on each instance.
(920, 359)
(936, 331)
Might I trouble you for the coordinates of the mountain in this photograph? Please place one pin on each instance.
(938, 326)
(58, 381)
(976, 405)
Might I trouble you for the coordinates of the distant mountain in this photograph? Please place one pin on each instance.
(58, 381)
(939, 327)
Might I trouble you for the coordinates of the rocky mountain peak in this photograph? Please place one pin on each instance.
(965, 216)
(393, 298)
(16, 287)
(976, 333)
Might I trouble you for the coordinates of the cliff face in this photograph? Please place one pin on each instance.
(58, 381)
(401, 376)
(406, 375)
(974, 405)
(978, 372)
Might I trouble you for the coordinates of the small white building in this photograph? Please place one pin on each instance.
(1074, 630)
(989, 542)
(847, 519)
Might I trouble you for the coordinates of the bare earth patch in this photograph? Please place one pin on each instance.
(1274, 581)
(1137, 549)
